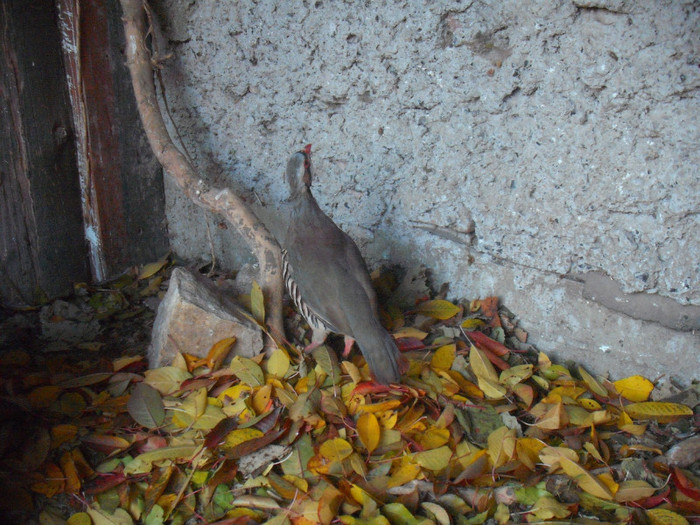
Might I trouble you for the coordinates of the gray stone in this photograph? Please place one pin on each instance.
(66, 322)
(193, 316)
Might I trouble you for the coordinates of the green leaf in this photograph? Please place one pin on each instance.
(247, 371)
(100, 517)
(166, 379)
(146, 406)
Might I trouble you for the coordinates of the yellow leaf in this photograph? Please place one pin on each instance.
(607, 480)
(382, 406)
(466, 386)
(410, 331)
(551, 456)
(491, 389)
(592, 383)
(80, 518)
(329, 504)
(369, 431)
(433, 437)
(298, 482)
(443, 357)
(501, 444)
(589, 404)
(232, 393)
(585, 480)
(665, 517)
(481, 366)
(387, 419)
(440, 514)
(261, 399)
(407, 472)
(278, 363)
(561, 393)
(437, 309)
(472, 324)
(241, 435)
(590, 448)
(152, 268)
(554, 419)
(525, 392)
(634, 388)
(336, 449)
(547, 507)
(624, 422)
(658, 410)
(515, 374)
(633, 490)
(528, 451)
(257, 303)
(435, 460)
(352, 371)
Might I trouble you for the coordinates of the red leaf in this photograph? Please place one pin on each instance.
(406, 344)
(684, 484)
(217, 434)
(370, 387)
(105, 482)
(484, 342)
(655, 500)
(269, 422)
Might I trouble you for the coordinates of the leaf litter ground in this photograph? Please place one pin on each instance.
(483, 428)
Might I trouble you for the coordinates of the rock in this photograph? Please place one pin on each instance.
(685, 453)
(193, 316)
(65, 322)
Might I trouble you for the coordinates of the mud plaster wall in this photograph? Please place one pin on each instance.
(546, 152)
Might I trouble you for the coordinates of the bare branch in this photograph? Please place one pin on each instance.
(221, 201)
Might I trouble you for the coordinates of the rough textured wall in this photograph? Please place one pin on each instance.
(525, 149)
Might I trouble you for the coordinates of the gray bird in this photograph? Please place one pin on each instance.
(327, 278)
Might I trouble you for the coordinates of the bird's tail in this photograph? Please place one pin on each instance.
(382, 355)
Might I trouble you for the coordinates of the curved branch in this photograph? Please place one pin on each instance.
(221, 201)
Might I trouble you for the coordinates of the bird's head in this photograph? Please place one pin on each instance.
(299, 171)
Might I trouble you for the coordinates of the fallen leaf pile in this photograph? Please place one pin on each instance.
(483, 429)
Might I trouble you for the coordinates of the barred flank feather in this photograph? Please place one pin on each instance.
(315, 322)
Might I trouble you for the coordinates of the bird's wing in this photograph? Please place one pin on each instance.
(329, 272)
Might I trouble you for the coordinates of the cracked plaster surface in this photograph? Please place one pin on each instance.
(554, 138)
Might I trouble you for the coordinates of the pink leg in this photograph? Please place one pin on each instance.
(312, 346)
(349, 341)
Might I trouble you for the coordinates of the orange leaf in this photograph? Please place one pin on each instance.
(53, 482)
(70, 473)
(218, 352)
